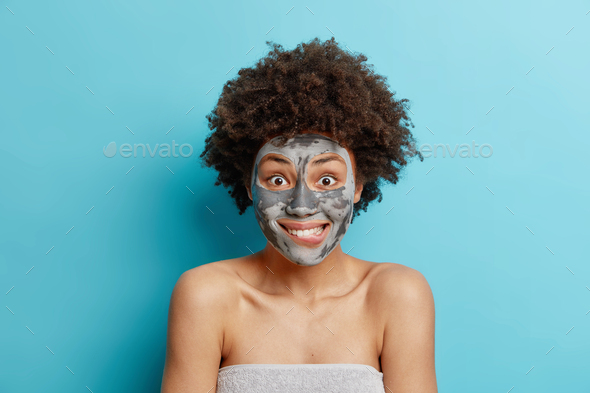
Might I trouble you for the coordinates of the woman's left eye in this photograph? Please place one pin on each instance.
(327, 181)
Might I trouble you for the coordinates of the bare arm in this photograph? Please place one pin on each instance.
(195, 333)
(407, 358)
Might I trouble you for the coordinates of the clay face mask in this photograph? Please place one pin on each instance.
(302, 210)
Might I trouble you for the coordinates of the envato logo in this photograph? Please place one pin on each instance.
(163, 150)
(465, 150)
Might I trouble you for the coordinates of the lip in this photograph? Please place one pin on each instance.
(307, 241)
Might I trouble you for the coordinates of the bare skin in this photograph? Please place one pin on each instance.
(264, 309)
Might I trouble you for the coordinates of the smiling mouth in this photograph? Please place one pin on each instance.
(306, 235)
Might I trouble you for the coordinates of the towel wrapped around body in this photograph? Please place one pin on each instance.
(299, 378)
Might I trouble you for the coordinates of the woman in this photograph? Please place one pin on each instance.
(305, 136)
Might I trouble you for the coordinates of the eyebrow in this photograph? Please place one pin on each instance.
(326, 159)
(280, 160)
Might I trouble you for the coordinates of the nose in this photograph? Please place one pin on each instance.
(303, 202)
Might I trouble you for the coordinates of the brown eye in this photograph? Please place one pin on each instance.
(327, 181)
(277, 181)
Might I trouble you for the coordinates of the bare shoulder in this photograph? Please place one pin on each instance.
(208, 274)
(405, 305)
(210, 284)
(198, 308)
(396, 286)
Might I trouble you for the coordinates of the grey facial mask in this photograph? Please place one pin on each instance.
(300, 203)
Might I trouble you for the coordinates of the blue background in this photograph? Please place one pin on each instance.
(97, 302)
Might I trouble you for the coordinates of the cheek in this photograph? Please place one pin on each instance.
(336, 208)
(273, 211)
(269, 205)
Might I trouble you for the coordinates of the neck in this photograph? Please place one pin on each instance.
(334, 276)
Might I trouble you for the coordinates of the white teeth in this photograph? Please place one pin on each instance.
(306, 232)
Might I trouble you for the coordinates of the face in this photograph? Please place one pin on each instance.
(303, 194)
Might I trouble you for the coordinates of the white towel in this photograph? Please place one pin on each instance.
(299, 378)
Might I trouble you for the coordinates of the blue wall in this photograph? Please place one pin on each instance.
(96, 299)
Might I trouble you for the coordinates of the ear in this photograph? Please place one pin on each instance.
(357, 192)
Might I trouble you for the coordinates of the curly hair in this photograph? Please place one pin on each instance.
(316, 86)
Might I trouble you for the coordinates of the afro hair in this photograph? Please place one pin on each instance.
(316, 86)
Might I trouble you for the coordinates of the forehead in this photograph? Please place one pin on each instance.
(302, 146)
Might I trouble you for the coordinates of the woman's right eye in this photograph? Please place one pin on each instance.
(278, 181)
